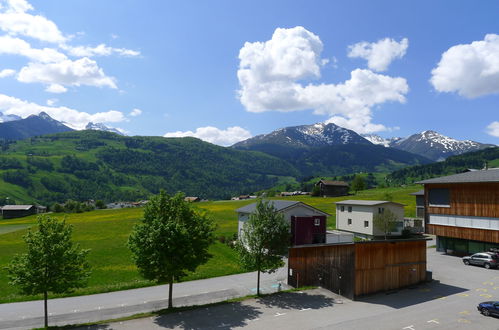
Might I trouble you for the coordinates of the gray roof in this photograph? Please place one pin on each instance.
(490, 175)
(418, 193)
(17, 207)
(279, 205)
(365, 203)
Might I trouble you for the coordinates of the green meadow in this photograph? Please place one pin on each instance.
(105, 232)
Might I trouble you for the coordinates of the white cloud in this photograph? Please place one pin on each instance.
(272, 75)
(16, 46)
(471, 70)
(493, 129)
(76, 119)
(100, 50)
(135, 112)
(379, 54)
(7, 73)
(215, 135)
(15, 20)
(56, 89)
(51, 102)
(66, 73)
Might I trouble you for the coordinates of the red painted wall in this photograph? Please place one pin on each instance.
(304, 230)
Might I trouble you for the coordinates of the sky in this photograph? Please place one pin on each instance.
(224, 71)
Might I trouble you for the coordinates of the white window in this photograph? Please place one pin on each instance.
(349, 221)
(366, 223)
(317, 222)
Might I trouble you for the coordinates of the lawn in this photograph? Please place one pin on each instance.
(105, 232)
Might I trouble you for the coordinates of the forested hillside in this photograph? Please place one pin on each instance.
(84, 165)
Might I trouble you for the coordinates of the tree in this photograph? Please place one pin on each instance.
(264, 240)
(385, 221)
(171, 240)
(316, 191)
(358, 183)
(52, 262)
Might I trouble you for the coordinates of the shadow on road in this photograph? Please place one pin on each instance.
(225, 316)
(413, 295)
(296, 300)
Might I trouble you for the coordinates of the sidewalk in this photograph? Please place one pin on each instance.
(91, 308)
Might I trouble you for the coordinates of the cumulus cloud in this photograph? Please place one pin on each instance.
(273, 77)
(51, 102)
(100, 50)
(493, 129)
(15, 20)
(76, 119)
(135, 112)
(471, 70)
(66, 73)
(56, 89)
(379, 54)
(215, 135)
(16, 46)
(7, 73)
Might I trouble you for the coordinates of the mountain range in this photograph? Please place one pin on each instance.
(34, 125)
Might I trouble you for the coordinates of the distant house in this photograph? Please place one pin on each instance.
(192, 199)
(308, 224)
(18, 211)
(462, 210)
(333, 188)
(356, 216)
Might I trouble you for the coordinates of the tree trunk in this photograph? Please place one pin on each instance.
(46, 310)
(258, 283)
(170, 294)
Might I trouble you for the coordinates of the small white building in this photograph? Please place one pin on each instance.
(356, 216)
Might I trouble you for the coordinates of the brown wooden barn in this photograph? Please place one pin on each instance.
(356, 269)
(333, 188)
(18, 211)
(462, 210)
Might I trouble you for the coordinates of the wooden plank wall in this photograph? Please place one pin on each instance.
(322, 265)
(470, 199)
(381, 266)
(474, 234)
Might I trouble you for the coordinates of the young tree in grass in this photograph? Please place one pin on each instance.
(171, 240)
(358, 183)
(52, 263)
(385, 221)
(264, 240)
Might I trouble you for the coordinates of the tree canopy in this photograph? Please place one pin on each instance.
(386, 221)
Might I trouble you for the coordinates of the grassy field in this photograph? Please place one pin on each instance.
(105, 232)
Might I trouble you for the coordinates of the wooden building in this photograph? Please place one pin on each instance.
(333, 188)
(18, 211)
(360, 268)
(462, 210)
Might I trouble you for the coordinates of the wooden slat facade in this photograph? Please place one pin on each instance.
(468, 199)
(473, 234)
(364, 267)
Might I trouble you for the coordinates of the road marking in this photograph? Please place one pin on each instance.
(463, 321)
(481, 289)
(304, 309)
(486, 295)
(488, 283)
(410, 327)
(463, 295)
(433, 321)
(279, 314)
(464, 312)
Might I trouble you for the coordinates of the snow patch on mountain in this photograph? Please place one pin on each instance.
(102, 127)
(5, 118)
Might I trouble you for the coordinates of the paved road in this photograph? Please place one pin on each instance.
(74, 310)
(449, 302)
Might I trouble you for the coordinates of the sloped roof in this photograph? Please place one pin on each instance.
(279, 205)
(333, 183)
(418, 193)
(16, 207)
(365, 203)
(490, 175)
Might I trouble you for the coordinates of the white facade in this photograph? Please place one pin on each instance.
(357, 216)
(299, 210)
(464, 221)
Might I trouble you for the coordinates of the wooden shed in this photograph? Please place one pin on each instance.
(18, 211)
(333, 188)
(356, 269)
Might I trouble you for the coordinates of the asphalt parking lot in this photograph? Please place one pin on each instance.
(449, 302)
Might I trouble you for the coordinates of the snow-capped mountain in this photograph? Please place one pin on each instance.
(430, 144)
(5, 118)
(33, 125)
(102, 127)
(305, 136)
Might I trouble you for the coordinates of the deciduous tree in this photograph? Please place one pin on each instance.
(264, 240)
(171, 240)
(385, 221)
(52, 263)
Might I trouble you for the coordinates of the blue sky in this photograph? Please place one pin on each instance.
(228, 70)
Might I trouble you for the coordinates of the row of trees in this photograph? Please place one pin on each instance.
(171, 240)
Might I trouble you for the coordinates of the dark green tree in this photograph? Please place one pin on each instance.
(52, 263)
(386, 221)
(358, 183)
(171, 240)
(316, 191)
(264, 240)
